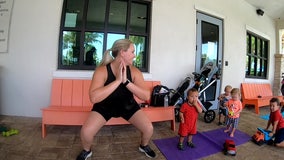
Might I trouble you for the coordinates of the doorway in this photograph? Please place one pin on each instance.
(209, 49)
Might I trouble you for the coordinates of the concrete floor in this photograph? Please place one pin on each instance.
(116, 142)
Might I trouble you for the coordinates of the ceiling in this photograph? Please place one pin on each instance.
(272, 8)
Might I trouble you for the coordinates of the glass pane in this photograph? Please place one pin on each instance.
(73, 13)
(117, 15)
(252, 45)
(258, 68)
(138, 18)
(113, 37)
(265, 49)
(70, 48)
(140, 54)
(96, 14)
(209, 50)
(264, 68)
(258, 47)
(210, 38)
(248, 51)
(247, 65)
(252, 66)
(93, 48)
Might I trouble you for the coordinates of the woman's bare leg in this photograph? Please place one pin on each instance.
(144, 125)
(90, 128)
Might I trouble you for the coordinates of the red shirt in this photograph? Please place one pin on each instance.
(277, 116)
(190, 115)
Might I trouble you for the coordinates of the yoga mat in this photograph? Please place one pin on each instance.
(266, 116)
(206, 143)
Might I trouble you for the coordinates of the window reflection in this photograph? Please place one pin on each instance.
(117, 15)
(138, 18)
(140, 56)
(73, 13)
(93, 48)
(111, 38)
(71, 48)
(210, 38)
(96, 14)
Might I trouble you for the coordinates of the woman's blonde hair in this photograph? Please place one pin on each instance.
(118, 45)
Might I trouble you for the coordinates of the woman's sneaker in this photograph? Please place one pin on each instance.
(84, 155)
(148, 151)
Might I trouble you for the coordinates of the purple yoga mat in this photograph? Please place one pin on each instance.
(206, 143)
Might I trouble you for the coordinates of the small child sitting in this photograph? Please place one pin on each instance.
(277, 122)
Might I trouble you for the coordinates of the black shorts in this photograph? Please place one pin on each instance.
(122, 112)
(223, 111)
(279, 136)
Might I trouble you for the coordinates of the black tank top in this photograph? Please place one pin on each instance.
(121, 99)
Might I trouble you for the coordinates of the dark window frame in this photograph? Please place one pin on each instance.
(83, 29)
(257, 57)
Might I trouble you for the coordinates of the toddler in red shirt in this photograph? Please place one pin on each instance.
(188, 118)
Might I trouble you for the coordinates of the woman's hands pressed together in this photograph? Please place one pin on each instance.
(121, 71)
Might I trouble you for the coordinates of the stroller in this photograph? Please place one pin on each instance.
(208, 76)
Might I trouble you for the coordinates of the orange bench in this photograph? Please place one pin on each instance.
(70, 105)
(257, 94)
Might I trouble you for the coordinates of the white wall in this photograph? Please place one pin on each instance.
(280, 29)
(31, 62)
(26, 70)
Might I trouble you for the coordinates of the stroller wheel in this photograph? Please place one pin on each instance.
(209, 116)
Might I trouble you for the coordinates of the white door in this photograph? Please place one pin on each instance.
(209, 48)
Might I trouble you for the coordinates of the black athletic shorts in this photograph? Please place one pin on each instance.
(108, 113)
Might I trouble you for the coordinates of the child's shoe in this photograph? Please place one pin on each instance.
(219, 124)
(180, 146)
(190, 144)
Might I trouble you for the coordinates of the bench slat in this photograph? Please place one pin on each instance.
(77, 93)
(56, 92)
(66, 93)
(86, 98)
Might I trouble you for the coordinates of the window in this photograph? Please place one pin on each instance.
(89, 27)
(257, 56)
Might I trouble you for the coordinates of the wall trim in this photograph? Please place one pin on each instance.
(253, 30)
(73, 74)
